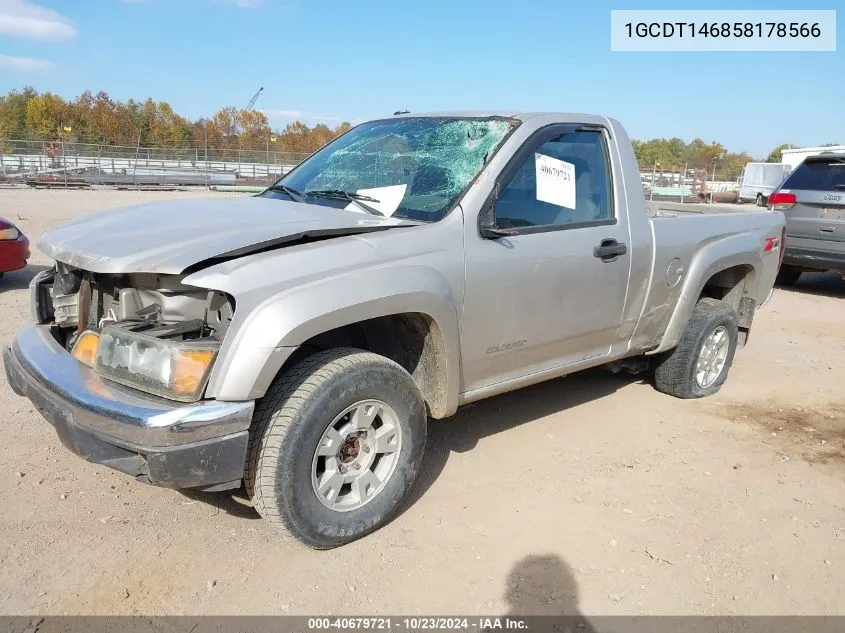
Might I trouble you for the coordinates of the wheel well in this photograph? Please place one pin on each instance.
(411, 339)
(733, 286)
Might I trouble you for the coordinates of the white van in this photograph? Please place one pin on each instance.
(760, 179)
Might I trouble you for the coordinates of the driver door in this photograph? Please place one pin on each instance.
(552, 292)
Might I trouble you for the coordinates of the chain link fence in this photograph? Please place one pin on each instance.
(70, 162)
(67, 162)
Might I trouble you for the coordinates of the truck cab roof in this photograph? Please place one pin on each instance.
(511, 114)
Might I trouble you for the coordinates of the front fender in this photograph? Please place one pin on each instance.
(722, 254)
(259, 346)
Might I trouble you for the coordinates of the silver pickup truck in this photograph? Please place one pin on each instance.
(297, 341)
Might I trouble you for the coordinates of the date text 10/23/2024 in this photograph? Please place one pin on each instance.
(723, 30)
(418, 623)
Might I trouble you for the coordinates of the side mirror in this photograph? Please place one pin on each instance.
(487, 218)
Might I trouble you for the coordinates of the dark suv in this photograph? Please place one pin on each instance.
(813, 200)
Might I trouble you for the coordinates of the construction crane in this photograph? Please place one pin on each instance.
(254, 98)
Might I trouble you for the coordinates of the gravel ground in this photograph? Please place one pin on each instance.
(592, 494)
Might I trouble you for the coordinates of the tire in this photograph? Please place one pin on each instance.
(282, 469)
(787, 276)
(761, 200)
(676, 371)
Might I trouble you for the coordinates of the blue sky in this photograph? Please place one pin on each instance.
(332, 60)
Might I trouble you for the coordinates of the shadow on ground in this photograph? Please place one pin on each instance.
(233, 502)
(544, 585)
(472, 423)
(19, 279)
(829, 284)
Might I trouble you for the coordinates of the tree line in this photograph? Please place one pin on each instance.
(675, 154)
(97, 118)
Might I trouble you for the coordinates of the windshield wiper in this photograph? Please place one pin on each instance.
(340, 194)
(293, 193)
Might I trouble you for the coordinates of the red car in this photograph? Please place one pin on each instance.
(14, 247)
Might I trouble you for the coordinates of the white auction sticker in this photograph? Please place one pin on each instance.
(388, 199)
(555, 181)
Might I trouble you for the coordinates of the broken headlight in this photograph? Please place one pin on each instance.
(173, 369)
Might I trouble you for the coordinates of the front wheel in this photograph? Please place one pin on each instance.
(335, 446)
(699, 365)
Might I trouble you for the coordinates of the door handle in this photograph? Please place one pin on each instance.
(609, 250)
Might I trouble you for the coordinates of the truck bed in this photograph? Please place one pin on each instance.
(686, 237)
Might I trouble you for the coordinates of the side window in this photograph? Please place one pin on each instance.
(565, 180)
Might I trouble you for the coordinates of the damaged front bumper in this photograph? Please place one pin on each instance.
(201, 445)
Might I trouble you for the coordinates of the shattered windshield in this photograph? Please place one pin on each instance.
(412, 168)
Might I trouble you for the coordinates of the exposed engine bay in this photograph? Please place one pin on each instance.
(76, 300)
(127, 325)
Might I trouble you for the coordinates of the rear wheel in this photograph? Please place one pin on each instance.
(788, 276)
(699, 365)
(335, 446)
(761, 200)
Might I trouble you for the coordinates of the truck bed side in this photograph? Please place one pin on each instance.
(694, 250)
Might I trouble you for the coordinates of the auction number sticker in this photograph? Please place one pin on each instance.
(723, 30)
(555, 181)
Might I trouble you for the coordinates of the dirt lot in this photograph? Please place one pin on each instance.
(591, 494)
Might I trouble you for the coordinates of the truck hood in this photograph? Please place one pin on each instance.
(169, 237)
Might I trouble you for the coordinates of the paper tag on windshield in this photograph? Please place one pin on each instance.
(388, 199)
(555, 181)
